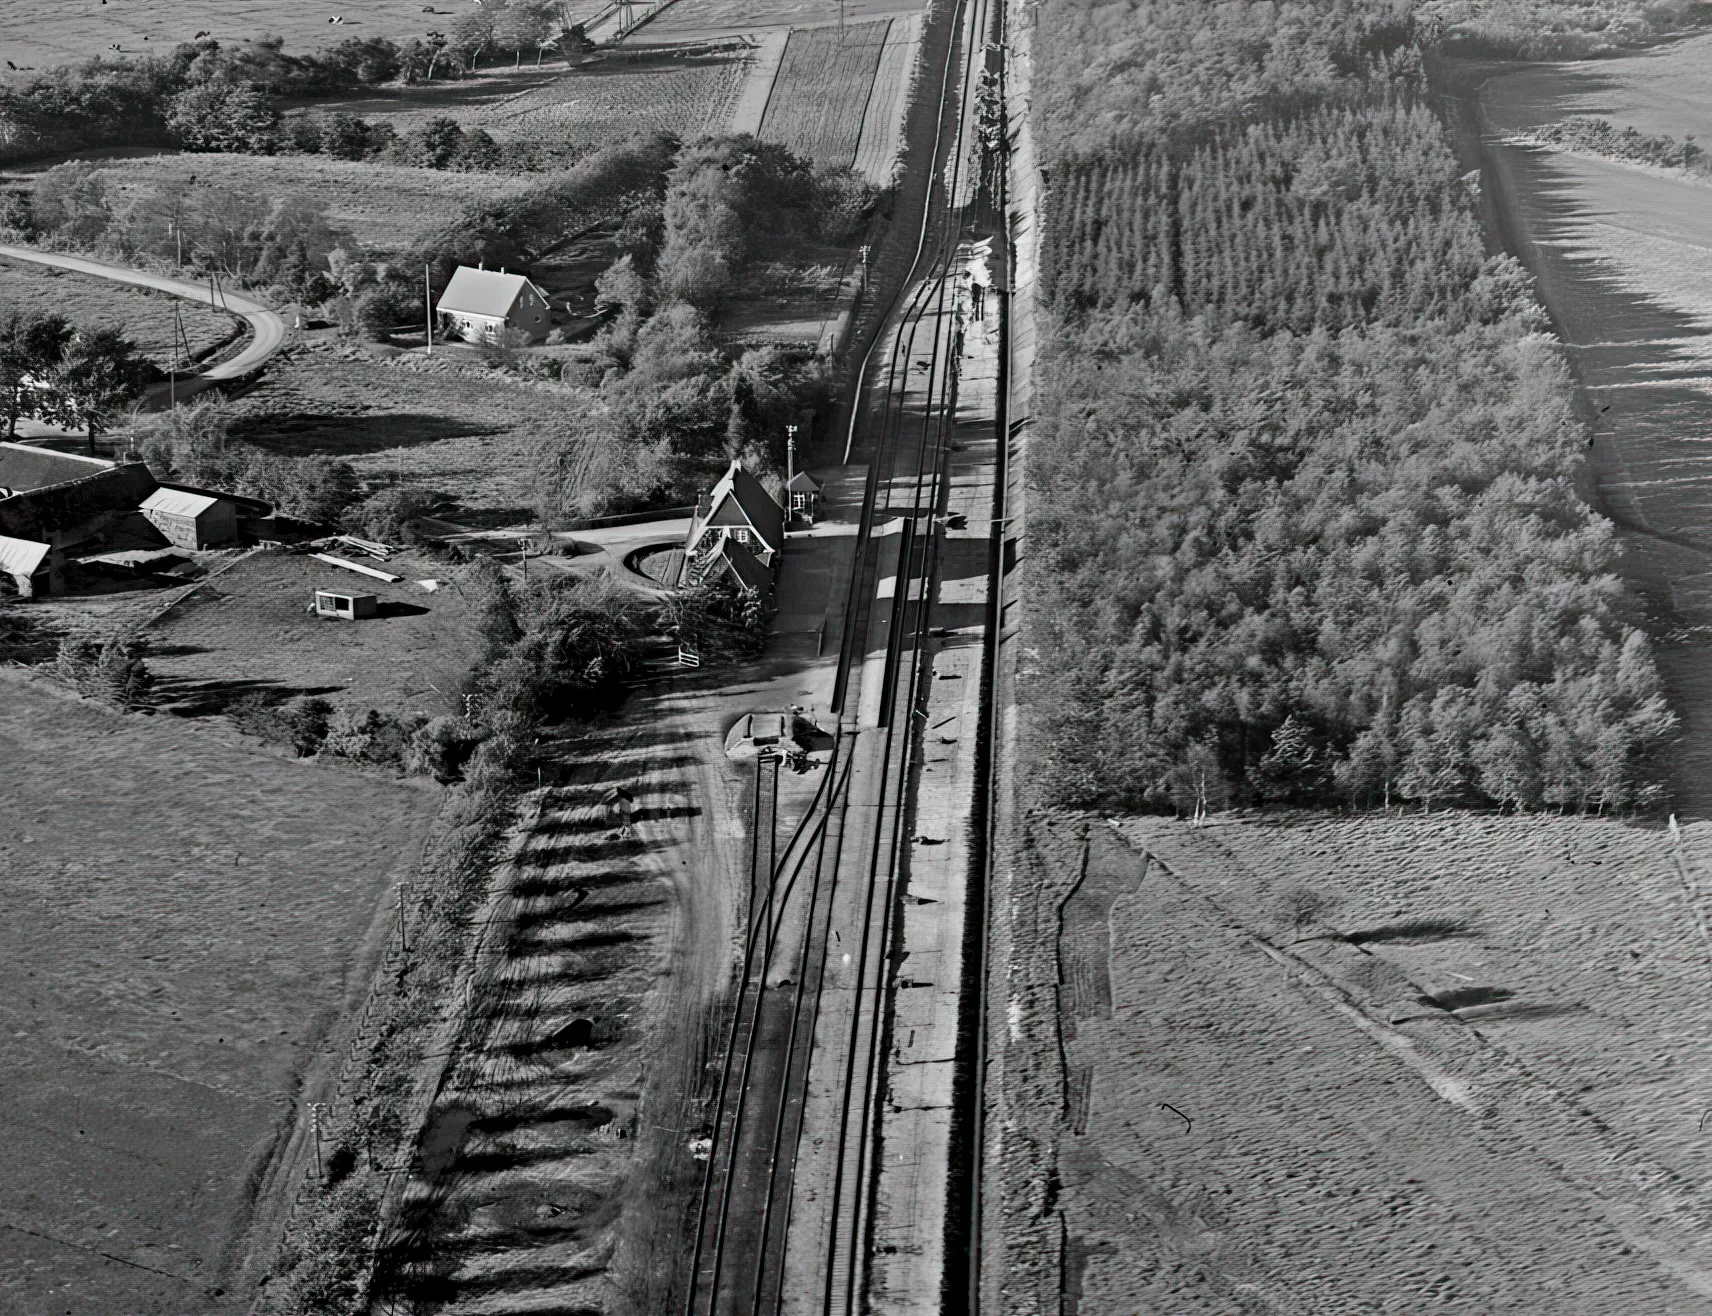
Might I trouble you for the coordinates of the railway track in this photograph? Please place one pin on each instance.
(906, 399)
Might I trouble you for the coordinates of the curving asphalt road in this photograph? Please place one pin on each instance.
(266, 328)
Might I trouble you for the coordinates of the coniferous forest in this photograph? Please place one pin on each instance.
(1304, 476)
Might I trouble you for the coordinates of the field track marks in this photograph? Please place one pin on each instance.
(888, 102)
(758, 81)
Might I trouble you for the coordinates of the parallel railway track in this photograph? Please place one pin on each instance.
(739, 1271)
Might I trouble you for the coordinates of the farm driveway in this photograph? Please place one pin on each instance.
(181, 916)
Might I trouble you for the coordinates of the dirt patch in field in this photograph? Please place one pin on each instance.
(249, 631)
(180, 916)
(1380, 1065)
(89, 303)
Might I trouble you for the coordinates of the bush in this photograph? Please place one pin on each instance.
(442, 747)
(300, 723)
(371, 736)
(224, 117)
(386, 306)
(322, 1267)
(111, 670)
(386, 516)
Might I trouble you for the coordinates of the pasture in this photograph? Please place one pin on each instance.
(567, 112)
(248, 631)
(145, 318)
(181, 917)
(35, 36)
(385, 207)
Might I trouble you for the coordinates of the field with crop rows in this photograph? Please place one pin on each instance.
(822, 91)
(1401, 1064)
(888, 103)
(40, 36)
(146, 319)
(179, 914)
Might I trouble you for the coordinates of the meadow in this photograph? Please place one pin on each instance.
(1394, 1064)
(566, 113)
(384, 206)
(34, 37)
(145, 318)
(183, 915)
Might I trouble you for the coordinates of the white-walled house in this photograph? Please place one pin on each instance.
(479, 306)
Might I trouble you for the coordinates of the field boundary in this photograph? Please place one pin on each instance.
(757, 93)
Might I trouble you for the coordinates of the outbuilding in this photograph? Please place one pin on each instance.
(803, 496)
(484, 306)
(34, 567)
(191, 520)
(344, 607)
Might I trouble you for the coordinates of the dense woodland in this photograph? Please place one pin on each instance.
(1304, 485)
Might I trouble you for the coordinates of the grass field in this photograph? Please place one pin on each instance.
(703, 20)
(32, 35)
(822, 90)
(248, 630)
(95, 303)
(1407, 1064)
(385, 207)
(179, 914)
(568, 112)
(471, 435)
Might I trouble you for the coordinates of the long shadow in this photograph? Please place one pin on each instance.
(304, 434)
(187, 698)
(1641, 374)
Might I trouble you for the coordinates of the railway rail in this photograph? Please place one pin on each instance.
(906, 398)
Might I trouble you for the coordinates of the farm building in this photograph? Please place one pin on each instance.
(191, 520)
(482, 306)
(738, 508)
(64, 500)
(34, 567)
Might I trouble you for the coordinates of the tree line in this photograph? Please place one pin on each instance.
(1304, 486)
(207, 96)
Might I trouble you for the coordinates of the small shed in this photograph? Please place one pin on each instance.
(345, 607)
(481, 305)
(191, 520)
(34, 567)
(803, 494)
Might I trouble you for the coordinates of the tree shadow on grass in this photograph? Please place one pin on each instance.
(352, 436)
(187, 698)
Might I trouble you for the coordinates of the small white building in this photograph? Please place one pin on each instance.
(480, 306)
